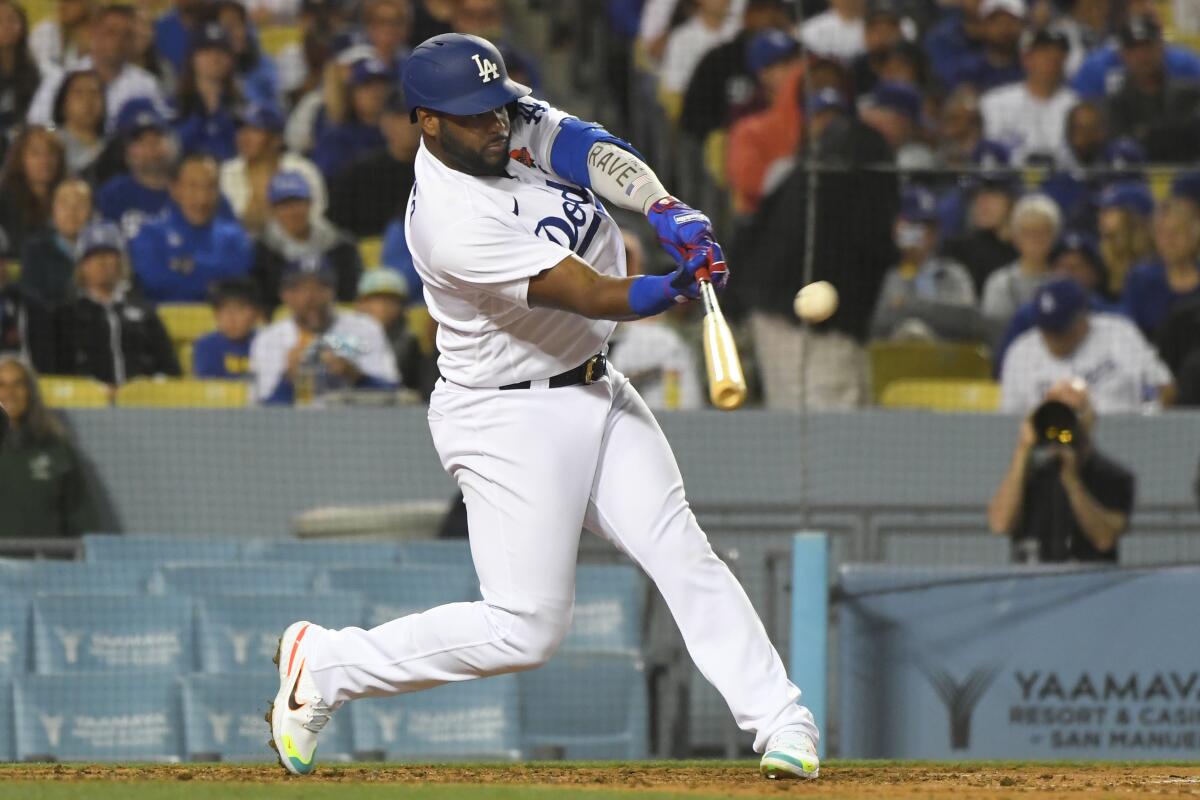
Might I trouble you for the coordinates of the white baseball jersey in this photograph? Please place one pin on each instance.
(1026, 124)
(476, 242)
(1120, 367)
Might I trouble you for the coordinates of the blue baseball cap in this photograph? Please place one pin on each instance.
(824, 100)
(99, 236)
(1082, 242)
(1056, 304)
(918, 204)
(288, 185)
(308, 266)
(903, 98)
(366, 70)
(457, 73)
(770, 47)
(259, 116)
(993, 164)
(1128, 195)
(137, 115)
(1124, 152)
(211, 36)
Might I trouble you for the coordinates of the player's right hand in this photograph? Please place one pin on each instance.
(707, 262)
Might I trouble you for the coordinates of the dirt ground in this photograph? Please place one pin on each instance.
(837, 782)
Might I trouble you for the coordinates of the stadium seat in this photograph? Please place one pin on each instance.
(97, 633)
(158, 549)
(212, 579)
(943, 395)
(66, 392)
(370, 250)
(610, 603)
(322, 553)
(223, 720)
(80, 577)
(419, 324)
(186, 322)
(893, 361)
(610, 720)
(186, 354)
(16, 575)
(443, 553)
(398, 591)
(276, 38)
(8, 749)
(183, 393)
(240, 632)
(14, 640)
(117, 716)
(476, 720)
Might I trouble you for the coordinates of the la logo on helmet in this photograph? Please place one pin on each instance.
(487, 69)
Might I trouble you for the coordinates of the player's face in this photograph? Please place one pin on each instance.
(478, 144)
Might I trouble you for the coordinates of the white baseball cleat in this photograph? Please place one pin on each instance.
(790, 754)
(299, 712)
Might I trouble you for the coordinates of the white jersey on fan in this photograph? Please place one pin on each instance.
(1026, 124)
(1120, 367)
(476, 242)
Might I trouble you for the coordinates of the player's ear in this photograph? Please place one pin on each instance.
(429, 124)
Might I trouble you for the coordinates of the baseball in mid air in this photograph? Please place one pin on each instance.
(816, 302)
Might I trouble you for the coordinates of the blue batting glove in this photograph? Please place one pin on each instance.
(687, 235)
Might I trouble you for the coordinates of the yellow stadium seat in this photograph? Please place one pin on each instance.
(419, 323)
(947, 395)
(183, 393)
(371, 252)
(893, 361)
(274, 38)
(283, 312)
(715, 146)
(184, 352)
(186, 322)
(63, 391)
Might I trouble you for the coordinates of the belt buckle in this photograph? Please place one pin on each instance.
(589, 369)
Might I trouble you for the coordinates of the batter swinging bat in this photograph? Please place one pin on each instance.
(726, 384)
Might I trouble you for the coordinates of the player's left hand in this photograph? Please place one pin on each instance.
(687, 235)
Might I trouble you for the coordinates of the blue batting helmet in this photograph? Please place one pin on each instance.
(458, 74)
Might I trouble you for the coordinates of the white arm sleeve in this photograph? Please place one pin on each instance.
(623, 179)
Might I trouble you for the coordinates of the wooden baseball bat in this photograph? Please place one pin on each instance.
(726, 384)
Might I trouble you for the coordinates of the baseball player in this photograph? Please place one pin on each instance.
(524, 271)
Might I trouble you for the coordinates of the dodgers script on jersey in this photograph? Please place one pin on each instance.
(476, 242)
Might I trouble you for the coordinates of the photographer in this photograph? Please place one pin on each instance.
(1062, 499)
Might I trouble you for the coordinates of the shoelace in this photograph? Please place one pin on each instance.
(318, 716)
(791, 739)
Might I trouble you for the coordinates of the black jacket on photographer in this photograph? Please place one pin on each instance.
(1046, 514)
(112, 343)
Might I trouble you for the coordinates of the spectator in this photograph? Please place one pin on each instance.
(1106, 350)
(985, 245)
(953, 40)
(657, 16)
(925, 296)
(292, 235)
(883, 32)
(432, 18)
(19, 73)
(1159, 111)
(383, 296)
(704, 30)
(173, 31)
(318, 349)
(1104, 72)
(1124, 224)
(257, 77)
(176, 257)
(340, 143)
(758, 141)
(33, 166)
(373, 188)
(1036, 222)
(302, 63)
(1179, 345)
(140, 195)
(724, 82)
(998, 62)
(110, 47)
(1086, 25)
(43, 492)
(396, 256)
(894, 109)
(208, 96)
(1030, 117)
(61, 40)
(1062, 501)
(245, 179)
(386, 25)
(837, 33)
(48, 259)
(1087, 146)
(25, 325)
(104, 333)
(959, 133)
(79, 120)
(652, 354)
(1154, 287)
(225, 353)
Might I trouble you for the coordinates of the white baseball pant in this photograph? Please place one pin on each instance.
(536, 466)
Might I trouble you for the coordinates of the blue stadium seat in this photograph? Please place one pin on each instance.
(587, 706)
(209, 579)
(398, 591)
(96, 633)
(159, 549)
(118, 716)
(471, 720)
(8, 748)
(80, 577)
(14, 636)
(239, 633)
(610, 603)
(450, 552)
(15, 574)
(322, 553)
(223, 720)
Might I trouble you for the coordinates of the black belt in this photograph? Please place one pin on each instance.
(589, 371)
